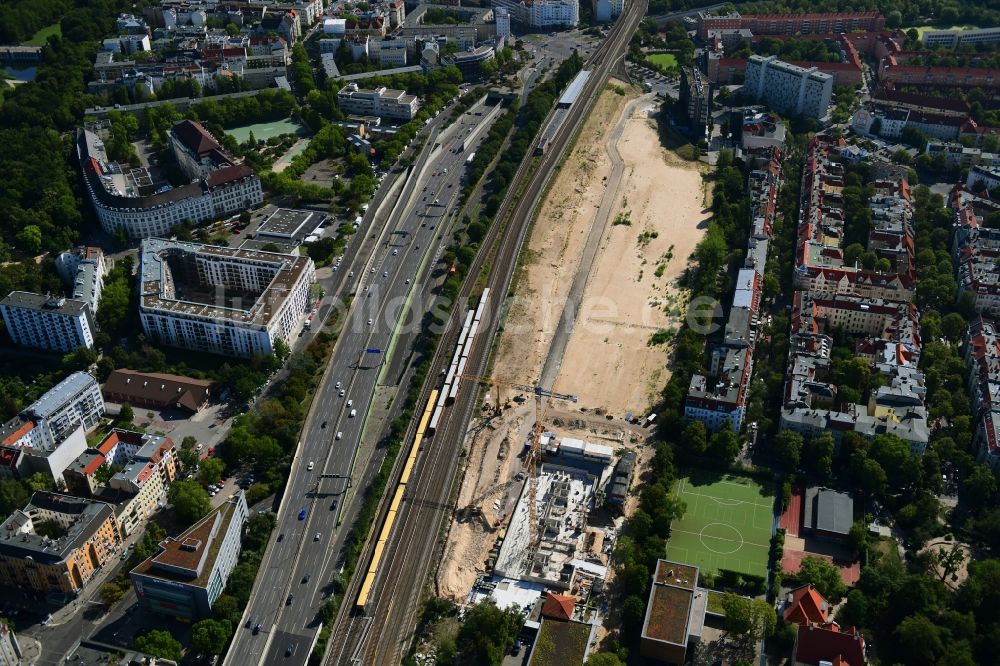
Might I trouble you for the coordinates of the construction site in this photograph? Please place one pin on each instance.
(564, 426)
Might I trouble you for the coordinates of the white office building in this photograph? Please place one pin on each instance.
(221, 300)
(788, 88)
(43, 322)
(382, 102)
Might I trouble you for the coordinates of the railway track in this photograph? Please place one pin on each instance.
(384, 633)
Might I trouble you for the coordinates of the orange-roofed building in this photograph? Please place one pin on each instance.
(558, 606)
(826, 643)
(805, 605)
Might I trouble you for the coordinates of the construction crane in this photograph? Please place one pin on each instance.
(531, 471)
(534, 454)
(536, 390)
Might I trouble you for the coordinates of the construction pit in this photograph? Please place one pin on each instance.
(492, 499)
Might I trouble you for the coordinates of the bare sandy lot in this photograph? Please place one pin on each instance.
(555, 246)
(631, 292)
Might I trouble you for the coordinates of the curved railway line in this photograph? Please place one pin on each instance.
(379, 630)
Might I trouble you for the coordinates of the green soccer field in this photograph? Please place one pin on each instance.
(727, 524)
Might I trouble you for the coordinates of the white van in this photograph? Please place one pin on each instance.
(353, 413)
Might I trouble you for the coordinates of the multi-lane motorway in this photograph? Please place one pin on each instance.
(300, 560)
(382, 633)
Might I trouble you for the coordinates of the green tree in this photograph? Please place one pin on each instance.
(919, 640)
(190, 500)
(189, 442)
(724, 446)
(13, 495)
(30, 238)
(824, 576)
(211, 636)
(695, 438)
(40, 481)
(819, 454)
(126, 414)
(786, 447)
(487, 633)
(604, 659)
(754, 618)
(104, 473)
(979, 487)
(159, 644)
(210, 471)
(854, 612)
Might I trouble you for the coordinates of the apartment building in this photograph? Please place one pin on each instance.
(788, 88)
(975, 250)
(791, 24)
(954, 39)
(877, 305)
(128, 201)
(381, 102)
(144, 478)
(117, 448)
(891, 71)
(221, 300)
(48, 435)
(52, 323)
(541, 13)
(696, 98)
(719, 399)
(83, 270)
(981, 349)
(57, 543)
(189, 573)
(957, 156)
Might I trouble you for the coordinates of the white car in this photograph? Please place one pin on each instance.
(370, 322)
(309, 467)
(350, 403)
(342, 393)
(339, 435)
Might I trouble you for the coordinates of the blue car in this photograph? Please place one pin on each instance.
(302, 514)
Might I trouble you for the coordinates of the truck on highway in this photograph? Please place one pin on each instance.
(472, 156)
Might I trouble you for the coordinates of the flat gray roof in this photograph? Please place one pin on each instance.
(286, 223)
(30, 301)
(828, 510)
(574, 89)
(61, 393)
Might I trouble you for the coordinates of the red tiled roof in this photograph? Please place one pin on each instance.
(94, 465)
(228, 174)
(807, 605)
(19, 433)
(195, 137)
(109, 442)
(558, 606)
(827, 642)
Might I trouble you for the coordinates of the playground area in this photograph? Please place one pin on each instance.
(727, 524)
